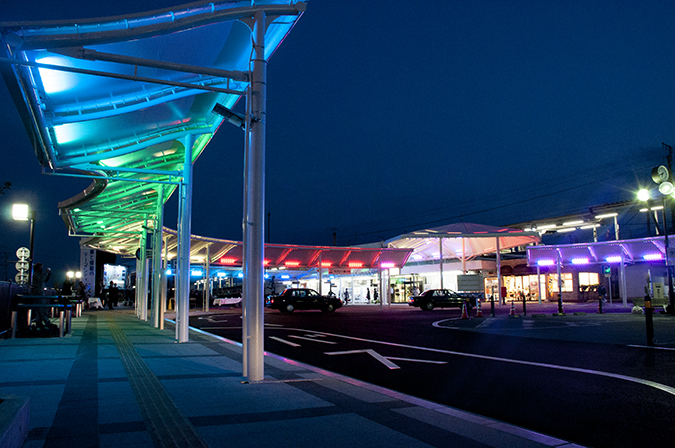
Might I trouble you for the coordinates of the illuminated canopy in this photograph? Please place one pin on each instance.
(462, 240)
(229, 253)
(115, 98)
(604, 252)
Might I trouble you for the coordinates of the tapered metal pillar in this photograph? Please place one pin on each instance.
(440, 259)
(185, 198)
(142, 278)
(498, 250)
(622, 282)
(254, 208)
(165, 281)
(157, 258)
(207, 283)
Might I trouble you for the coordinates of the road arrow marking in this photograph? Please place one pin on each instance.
(292, 344)
(311, 339)
(372, 353)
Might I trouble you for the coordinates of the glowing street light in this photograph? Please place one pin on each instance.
(21, 212)
(661, 175)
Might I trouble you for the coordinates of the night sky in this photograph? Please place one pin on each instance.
(387, 117)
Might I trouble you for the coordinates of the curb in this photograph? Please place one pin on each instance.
(14, 421)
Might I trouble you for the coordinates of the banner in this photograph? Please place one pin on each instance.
(88, 269)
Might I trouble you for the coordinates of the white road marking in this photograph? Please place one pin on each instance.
(650, 346)
(668, 389)
(292, 344)
(373, 353)
(428, 361)
(311, 339)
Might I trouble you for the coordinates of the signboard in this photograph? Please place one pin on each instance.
(116, 274)
(22, 265)
(21, 278)
(88, 268)
(339, 271)
(23, 253)
(470, 283)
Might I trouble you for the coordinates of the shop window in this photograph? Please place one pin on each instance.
(588, 278)
(567, 283)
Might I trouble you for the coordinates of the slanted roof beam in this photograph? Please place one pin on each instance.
(93, 55)
(165, 82)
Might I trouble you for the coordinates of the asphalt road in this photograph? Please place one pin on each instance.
(583, 378)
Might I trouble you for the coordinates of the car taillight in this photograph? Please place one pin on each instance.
(271, 300)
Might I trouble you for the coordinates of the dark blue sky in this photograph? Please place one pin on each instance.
(385, 117)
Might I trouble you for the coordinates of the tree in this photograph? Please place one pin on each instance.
(7, 186)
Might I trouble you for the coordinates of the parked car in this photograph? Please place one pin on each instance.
(292, 299)
(442, 298)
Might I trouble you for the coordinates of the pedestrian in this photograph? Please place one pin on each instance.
(40, 276)
(67, 289)
(602, 292)
(112, 295)
(376, 295)
(368, 294)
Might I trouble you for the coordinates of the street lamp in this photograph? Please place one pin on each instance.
(666, 189)
(21, 212)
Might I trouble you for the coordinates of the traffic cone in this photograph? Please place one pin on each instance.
(513, 309)
(479, 312)
(465, 314)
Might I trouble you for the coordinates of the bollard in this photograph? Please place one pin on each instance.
(649, 320)
(600, 305)
(492, 305)
(524, 305)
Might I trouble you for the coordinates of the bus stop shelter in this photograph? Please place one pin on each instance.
(131, 102)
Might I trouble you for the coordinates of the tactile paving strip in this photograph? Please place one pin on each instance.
(167, 426)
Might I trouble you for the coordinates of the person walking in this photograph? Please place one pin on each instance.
(112, 295)
(37, 288)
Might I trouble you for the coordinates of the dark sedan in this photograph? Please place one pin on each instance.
(303, 299)
(442, 298)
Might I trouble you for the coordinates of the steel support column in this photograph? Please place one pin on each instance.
(254, 207)
(440, 258)
(164, 283)
(207, 283)
(142, 278)
(622, 282)
(502, 300)
(185, 198)
(157, 258)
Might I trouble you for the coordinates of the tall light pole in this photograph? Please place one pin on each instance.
(661, 175)
(21, 212)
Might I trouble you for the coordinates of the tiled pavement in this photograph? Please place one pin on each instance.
(115, 381)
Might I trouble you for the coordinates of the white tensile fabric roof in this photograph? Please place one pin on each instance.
(462, 240)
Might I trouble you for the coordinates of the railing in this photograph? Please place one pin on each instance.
(8, 292)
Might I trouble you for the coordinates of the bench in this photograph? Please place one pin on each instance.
(65, 312)
(640, 301)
